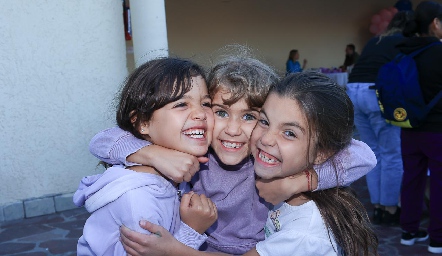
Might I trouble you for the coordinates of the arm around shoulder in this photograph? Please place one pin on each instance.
(347, 166)
(115, 145)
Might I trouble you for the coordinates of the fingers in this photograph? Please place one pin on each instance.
(157, 230)
(203, 159)
(128, 245)
(213, 209)
(187, 176)
(185, 199)
(190, 166)
(205, 205)
(199, 203)
(138, 244)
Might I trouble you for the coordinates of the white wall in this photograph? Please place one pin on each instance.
(61, 64)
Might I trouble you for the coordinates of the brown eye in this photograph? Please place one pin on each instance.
(180, 105)
(290, 134)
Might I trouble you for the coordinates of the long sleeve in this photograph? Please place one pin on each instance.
(346, 166)
(293, 67)
(189, 236)
(114, 145)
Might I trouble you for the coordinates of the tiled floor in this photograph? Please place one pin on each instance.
(57, 234)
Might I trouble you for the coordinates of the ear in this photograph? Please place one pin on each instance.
(143, 128)
(438, 23)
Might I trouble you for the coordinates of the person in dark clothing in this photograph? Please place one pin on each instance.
(422, 146)
(384, 181)
(404, 5)
(351, 56)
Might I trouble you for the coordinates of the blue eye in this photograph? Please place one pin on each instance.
(221, 113)
(249, 117)
(263, 122)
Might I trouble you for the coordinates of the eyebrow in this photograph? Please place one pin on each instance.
(207, 96)
(227, 107)
(220, 105)
(294, 124)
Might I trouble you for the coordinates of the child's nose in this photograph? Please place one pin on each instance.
(199, 114)
(233, 127)
(268, 138)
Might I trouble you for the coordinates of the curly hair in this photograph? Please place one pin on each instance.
(244, 77)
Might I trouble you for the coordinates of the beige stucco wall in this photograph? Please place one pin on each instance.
(319, 29)
(61, 64)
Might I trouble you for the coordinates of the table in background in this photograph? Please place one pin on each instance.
(340, 78)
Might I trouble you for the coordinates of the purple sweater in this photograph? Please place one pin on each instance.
(120, 196)
(241, 212)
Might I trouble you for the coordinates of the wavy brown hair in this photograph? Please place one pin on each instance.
(330, 116)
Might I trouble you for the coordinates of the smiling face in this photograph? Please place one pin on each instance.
(186, 124)
(233, 127)
(281, 141)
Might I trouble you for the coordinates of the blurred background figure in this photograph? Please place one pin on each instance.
(404, 5)
(422, 146)
(384, 181)
(292, 64)
(351, 56)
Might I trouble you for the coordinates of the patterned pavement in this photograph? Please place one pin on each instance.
(57, 234)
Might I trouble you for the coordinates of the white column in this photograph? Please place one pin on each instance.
(149, 30)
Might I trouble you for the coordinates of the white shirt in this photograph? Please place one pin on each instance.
(297, 230)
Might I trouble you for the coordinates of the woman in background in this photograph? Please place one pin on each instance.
(292, 65)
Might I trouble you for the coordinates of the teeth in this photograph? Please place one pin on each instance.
(231, 145)
(266, 159)
(195, 133)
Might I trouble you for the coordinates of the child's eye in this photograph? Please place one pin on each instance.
(263, 122)
(221, 113)
(180, 105)
(249, 117)
(289, 134)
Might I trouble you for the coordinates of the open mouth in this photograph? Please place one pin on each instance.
(195, 133)
(231, 145)
(267, 158)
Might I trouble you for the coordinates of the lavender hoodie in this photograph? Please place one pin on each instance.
(120, 196)
(241, 212)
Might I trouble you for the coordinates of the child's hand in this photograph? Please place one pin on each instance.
(160, 242)
(198, 211)
(173, 164)
(278, 190)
